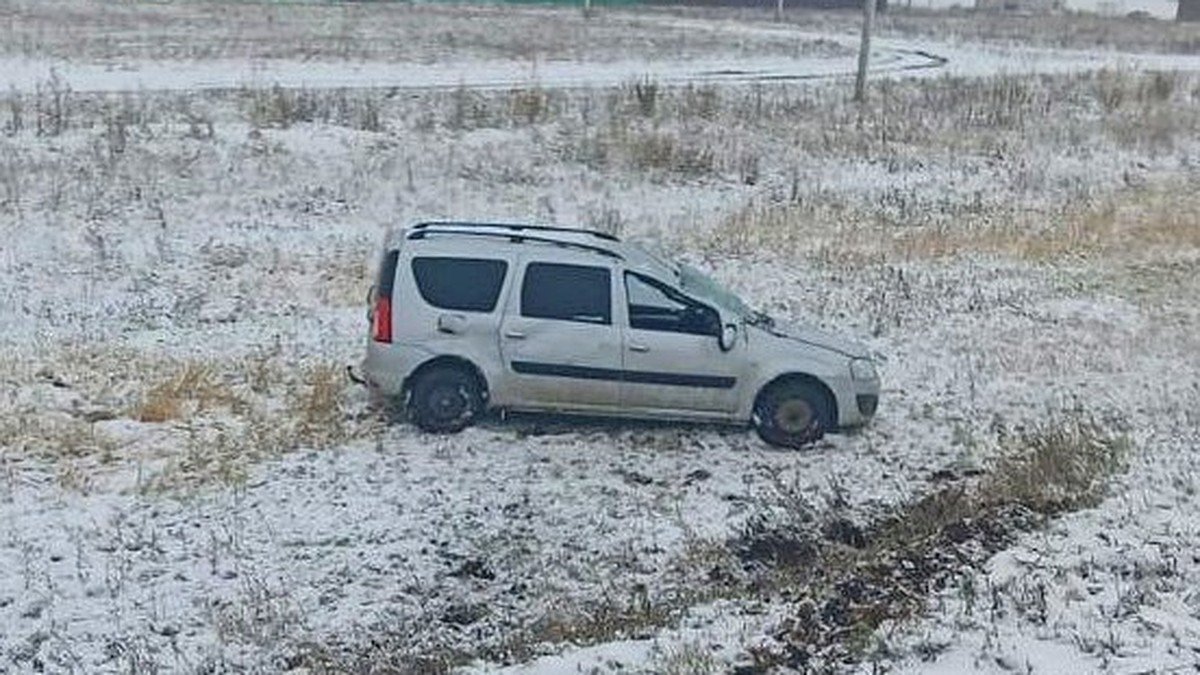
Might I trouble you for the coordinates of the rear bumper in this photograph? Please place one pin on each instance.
(383, 369)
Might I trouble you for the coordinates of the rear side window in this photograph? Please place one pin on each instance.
(460, 284)
(567, 292)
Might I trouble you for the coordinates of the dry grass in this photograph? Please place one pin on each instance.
(1056, 468)
(610, 620)
(751, 135)
(51, 437)
(1135, 223)
(1073, 31)
(692, 658)
(344, 280)
(633, 617)
(260, 615)
(993, 127)
(388, 31)
(650, 151)
(281, 108)
(214, 419)
(303, 410)
(1047, 470)
(192, 390)
(847, 587)
(319, 408)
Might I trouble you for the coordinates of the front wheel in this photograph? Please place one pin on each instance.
(445, 400)
(793, 414)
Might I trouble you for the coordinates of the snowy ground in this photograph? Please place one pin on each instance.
(187, 484)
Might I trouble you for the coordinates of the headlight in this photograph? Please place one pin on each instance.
(863, 369)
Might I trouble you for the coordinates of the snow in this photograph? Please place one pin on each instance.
(250, 251)
(889, 55)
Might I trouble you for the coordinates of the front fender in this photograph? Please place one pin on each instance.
(773, 357)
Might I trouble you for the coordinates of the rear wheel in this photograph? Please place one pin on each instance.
(793, 414)
(445, 399)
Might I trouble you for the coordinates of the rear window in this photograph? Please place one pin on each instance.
(460, 284)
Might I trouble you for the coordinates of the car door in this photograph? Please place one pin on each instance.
(560, 345)
(673, 361)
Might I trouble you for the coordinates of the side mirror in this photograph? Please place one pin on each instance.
(728, 337)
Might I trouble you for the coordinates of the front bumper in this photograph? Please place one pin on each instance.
(867, 404)
(857, 401)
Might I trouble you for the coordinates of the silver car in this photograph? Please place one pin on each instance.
(470, 317)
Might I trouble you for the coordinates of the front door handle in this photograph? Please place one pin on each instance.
(514, 334)
(634, 347)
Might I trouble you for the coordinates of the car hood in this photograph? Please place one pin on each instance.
(818, 338)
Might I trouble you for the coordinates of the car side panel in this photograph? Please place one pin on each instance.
(557, 365)
(422, 332)
(832, 371)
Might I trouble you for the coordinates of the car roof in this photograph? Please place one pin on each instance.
(489, 234)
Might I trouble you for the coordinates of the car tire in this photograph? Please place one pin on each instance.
(793, 414)
(445, 400)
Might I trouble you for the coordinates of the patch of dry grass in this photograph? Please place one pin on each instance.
(1135, 223)
(192, 390)
(691, 658)
(318, 406)
(260, 615)
(636, 616)
(850, 581)
(1056, 468)
(306, 409)
(344, 280)
(213, 420)
(1073, 30)
(54, 437)
(280, 107)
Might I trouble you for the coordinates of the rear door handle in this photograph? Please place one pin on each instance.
(514, 334)
(638, 348)
(452, 324)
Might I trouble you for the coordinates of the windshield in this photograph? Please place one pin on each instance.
(701, 285)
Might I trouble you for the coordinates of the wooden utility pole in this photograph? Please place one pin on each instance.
(778, 10)
(864, 51)
(587, 9)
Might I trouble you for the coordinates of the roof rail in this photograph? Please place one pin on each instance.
(517, 227)
(514, 237)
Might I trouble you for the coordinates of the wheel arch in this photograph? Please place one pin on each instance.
(447, 361)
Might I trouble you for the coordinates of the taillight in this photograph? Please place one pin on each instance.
(381, 331)
(381, 317)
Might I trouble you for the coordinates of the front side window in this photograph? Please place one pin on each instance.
(567, 292)
(460, 284)
(656, 306)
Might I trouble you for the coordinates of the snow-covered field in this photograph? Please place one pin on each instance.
(190, 200)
